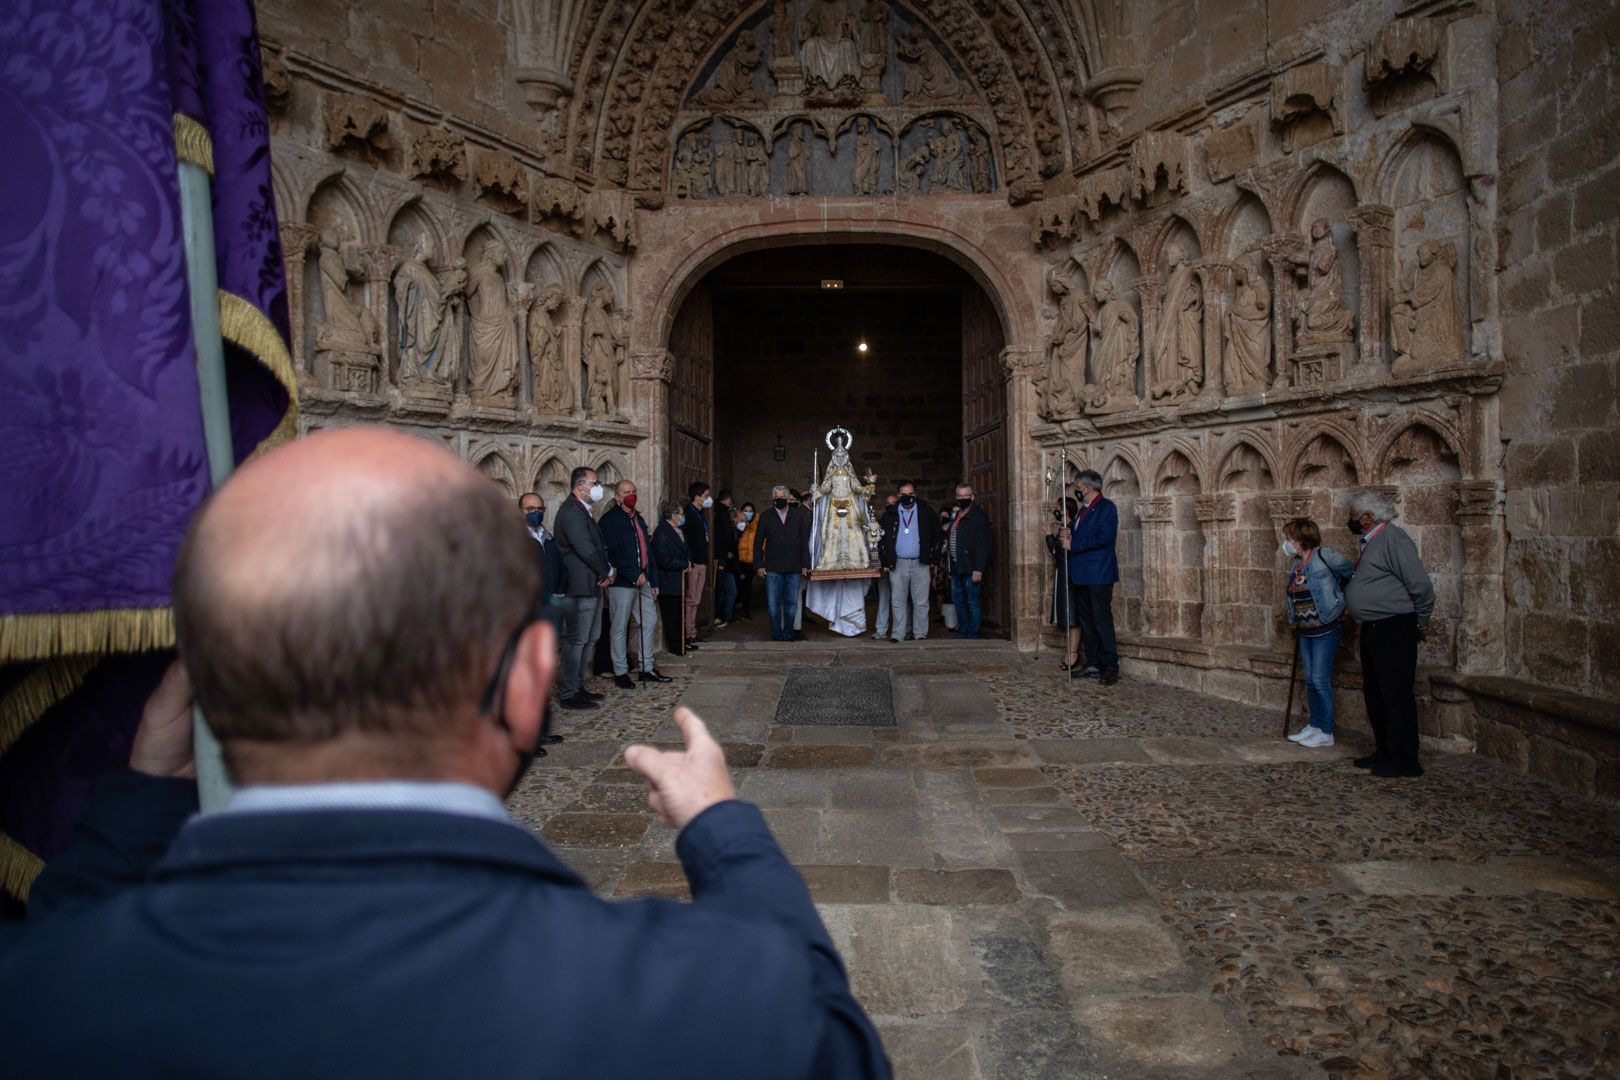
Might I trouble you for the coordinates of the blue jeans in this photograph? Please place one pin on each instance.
(725, 595)
(1316, 657)
(782, 597)
(965, 595)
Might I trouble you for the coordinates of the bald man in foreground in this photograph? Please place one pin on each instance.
(356, 615)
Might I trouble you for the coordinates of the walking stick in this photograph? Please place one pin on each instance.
(1288, 712)
(686, 584)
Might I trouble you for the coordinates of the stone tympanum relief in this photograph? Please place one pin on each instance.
(1246, 366)
(868, 171)
(1117, 333)
(348, 344)
(1176, 369)
(1425, 324)
(551, 386)
(428, 341)
(1062, 387)
(493, 363)
(829, 55)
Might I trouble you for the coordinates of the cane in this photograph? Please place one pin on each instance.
(686, 585)
(1288, 712)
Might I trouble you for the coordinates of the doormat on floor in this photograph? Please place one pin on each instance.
(860, 697)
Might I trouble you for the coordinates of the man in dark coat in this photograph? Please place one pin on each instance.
(696, 530)
(910, 536)
(357, 616)
(1093, 572)
(634, 589)
(533, 508)
(968, 547)
(782, 557)
(587, 571)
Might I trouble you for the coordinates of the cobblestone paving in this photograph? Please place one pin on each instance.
(1049, 707)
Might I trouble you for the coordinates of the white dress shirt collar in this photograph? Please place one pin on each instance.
(432, 797)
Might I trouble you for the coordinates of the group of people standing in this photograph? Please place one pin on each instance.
(926, 553)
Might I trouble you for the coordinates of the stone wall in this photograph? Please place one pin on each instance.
(786, 364)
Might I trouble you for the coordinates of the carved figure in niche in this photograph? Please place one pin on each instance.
(782, 42)
(1177, 365)
(759, 165)
(492, 369)
(913, 176)
(1248, 333)
(978, 162)
(1322, 315)
(945, 163)
(828, 53)
(1064, 383)
(429, 339)
(596, 334)
(867, 169)
(1426, 323)
(733, 83)
(347, 342)
(680, 175)
(928, 76)
(551, 390)
(731, 166)
(798, 162)
(876, 17)
(700, 177)
(620, 323)
(1117, 334)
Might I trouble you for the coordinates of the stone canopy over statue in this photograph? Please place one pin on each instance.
(843, 540)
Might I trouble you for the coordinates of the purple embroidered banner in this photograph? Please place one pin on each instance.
(102, 461)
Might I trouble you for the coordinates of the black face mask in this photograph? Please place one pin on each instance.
(964, 503)
(1354, 525)
(781, 504)
(908, 501)
(494, 700)
(534, 518)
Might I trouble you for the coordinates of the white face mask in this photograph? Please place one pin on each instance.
(595, 493)
(1289, 549)
(707, 502)
(741, 525)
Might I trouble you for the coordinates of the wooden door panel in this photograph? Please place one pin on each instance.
(691, 408)
(984, 447)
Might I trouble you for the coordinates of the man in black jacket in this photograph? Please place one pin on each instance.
(696, 531)
(781, 557)
(634, 589)
(910, 535)
(586, 570)
(968, 547)
(533, 508)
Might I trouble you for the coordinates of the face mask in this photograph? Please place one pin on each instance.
(707, 502)
(748, 515)
(781, 504)
(595, 494)
(741, 525)
(1354, 525)
(680, 522)
(908, 501)
(965, 503)
(1289, 549)
(534, 517)
(629, 501)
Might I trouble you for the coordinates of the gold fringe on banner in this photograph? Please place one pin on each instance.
(18, 868)
(193, 143)
(37, 692)
(51, 635)
(251, 330)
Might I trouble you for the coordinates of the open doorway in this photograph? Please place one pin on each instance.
(767, 358)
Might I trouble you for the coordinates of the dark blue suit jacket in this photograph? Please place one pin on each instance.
(1091, 545)
(551, 567)
(404, 943)
(622, 550)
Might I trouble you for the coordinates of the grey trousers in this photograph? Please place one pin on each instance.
(621, 602)
(909, 596)
(579, 641)
(882, 629)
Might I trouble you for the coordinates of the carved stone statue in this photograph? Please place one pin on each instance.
(429, 338)
(945, 169)
(620, 323)
(759, 165)
(978, 162)
(1177, 364)
(702, 167)
(1322, 316)
(842, 519)
(1247, 367)
(731, 166)
(733, 83)
(928, 76)
(1063, 386)
(867, 169)
(1117, 334)
(348, 349)
(913, 175)
(798, 163)
(781, 30)
(1426, 323)
(552, 394)
(492, 369)
(829, 53)
(875, 42)
(596, 337)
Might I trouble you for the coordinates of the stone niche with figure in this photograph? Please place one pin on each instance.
(832, 97)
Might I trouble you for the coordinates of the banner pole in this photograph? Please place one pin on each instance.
(202, 279)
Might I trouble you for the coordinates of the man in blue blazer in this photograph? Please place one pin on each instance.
(1093, 571)
(356, 613)
(533, 508)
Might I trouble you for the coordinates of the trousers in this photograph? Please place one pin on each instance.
(725, 595)
(909, 597)
(622, 601)
(1388, 677)
(1094, 613)
(965, 597)
(695, 578)
(782, 595)
(1316, 659)
(884, 591)
(580, 632)
(670, 614)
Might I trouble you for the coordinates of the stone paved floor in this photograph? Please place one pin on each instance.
(1029, 879)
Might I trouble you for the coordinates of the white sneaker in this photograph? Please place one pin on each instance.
(1304, 733)
(1317, 739)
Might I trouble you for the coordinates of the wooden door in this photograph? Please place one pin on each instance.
(691, 409)
(984, 444)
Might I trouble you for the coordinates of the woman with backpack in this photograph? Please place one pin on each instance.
(1314, 602)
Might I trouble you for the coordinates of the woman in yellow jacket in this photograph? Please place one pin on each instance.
(749, 523)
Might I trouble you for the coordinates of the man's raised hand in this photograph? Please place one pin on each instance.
(683, 783)
(163, 741)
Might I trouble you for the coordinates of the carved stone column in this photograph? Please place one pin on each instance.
(1217, 279)
(522, 301)
(1480, 647)
(572, 318)
(1160, 564)
(650, 376)
(1151, 293)
(1217, 516)
(296, 241)
(1375, 244)
(1027, 572)
(379, 262)
(1284, 254)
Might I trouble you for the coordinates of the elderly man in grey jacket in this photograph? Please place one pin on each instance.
(1392, 598)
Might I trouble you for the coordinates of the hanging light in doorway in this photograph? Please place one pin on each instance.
(861, 347)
